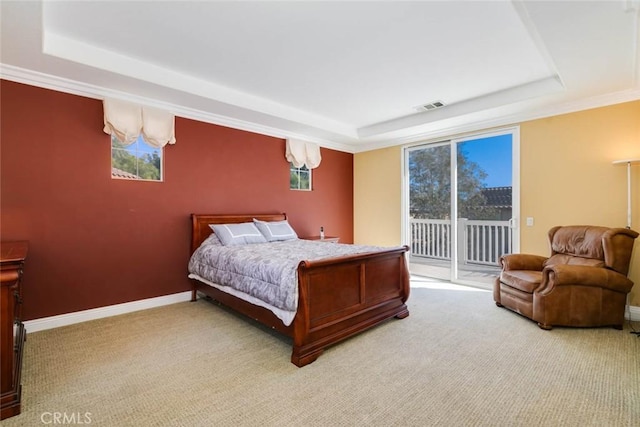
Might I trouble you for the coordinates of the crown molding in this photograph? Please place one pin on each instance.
(60, 84)
(73, 87)
(507, 120)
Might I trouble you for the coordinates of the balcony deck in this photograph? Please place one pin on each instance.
(479, 246)
(482, 275)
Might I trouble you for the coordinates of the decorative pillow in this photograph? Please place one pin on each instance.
(238, 234)
(276, 230)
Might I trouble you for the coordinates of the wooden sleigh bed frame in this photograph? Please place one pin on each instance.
(338, 297)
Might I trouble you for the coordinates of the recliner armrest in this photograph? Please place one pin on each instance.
(522, 262)
(583, 275)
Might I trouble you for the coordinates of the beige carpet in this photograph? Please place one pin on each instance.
(457, 360)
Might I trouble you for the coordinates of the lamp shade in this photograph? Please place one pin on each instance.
(628, 162)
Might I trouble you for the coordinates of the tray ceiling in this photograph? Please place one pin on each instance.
(348, 75)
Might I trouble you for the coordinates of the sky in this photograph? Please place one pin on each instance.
(493, 154)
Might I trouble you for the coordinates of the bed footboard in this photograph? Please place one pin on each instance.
(343, 296)
(337, 297)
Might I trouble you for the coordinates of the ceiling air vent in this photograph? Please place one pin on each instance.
(431, 106)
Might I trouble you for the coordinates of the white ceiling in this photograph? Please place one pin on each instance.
(348, 75)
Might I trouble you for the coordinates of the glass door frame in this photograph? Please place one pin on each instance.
(514, 131)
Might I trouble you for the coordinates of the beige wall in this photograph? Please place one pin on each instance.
(377, 207)
(566, 178)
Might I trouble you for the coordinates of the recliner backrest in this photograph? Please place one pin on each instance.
(592, 245)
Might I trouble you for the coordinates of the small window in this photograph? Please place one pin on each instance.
(300, 178)
(138, 161)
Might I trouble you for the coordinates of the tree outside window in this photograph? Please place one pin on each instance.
(299, 178)
(138, 160)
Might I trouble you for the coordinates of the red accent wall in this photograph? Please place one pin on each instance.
(97, 241)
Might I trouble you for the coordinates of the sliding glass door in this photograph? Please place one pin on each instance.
(461, 206)
(430, 233)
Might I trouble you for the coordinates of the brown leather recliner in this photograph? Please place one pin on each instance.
(583, 283)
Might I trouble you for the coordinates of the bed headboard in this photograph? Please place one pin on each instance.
(200, 229)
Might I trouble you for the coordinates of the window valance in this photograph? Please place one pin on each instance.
(303, 153)
(127, 121)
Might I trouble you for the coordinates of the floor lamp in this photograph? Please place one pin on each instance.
(628, 162)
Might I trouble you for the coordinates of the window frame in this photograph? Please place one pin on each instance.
(137, 153)
(297, 171)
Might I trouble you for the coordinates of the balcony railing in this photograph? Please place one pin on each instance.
(479, 242)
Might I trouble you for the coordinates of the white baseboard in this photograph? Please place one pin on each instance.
(101, 312)
(633, 313)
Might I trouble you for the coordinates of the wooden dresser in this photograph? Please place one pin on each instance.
(12, 332)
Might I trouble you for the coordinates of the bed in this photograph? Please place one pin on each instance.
(337, 297)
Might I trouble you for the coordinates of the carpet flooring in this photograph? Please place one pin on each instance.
(457, 360)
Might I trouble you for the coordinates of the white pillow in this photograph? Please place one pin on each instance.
(238, 234)
(276, 230)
